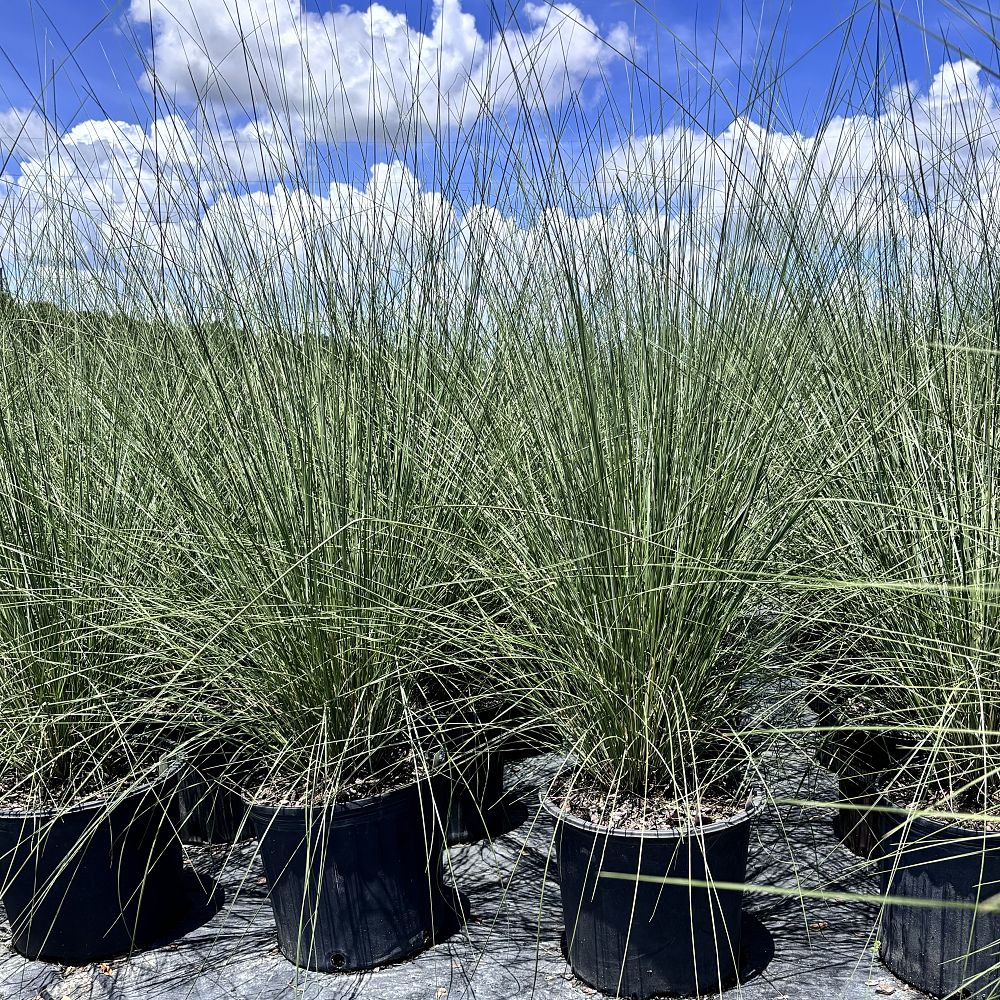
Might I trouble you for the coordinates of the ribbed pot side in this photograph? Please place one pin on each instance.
(941, 948)
(640, 937)
(358, 884)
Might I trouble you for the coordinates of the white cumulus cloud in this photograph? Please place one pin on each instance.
(930, 155)
(23, 133)
(352, 72)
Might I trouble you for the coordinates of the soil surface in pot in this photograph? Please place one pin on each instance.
(283, 788)
(948, 793)
(22, 794)
(621, 810)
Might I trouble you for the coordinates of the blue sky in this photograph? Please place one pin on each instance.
(94, 46)
(442, 109)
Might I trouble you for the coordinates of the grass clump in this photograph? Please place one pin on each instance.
(638, 542)
(327, 541)
(86, 556)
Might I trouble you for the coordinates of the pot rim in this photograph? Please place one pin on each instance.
(170, 767)
(754, 807)
(351, 806)
(936, 824)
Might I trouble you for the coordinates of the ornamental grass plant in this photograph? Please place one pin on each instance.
(88, 552)
(330, 546)
(911, 513)
(899, 546)
(909, 525)
(645, 512)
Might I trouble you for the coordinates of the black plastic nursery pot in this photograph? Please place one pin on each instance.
(211, 812)
(358, 884)
(474, 805)
(860, 758)
(94, 881)
(941, 949)
(641, 937)
(858, 822)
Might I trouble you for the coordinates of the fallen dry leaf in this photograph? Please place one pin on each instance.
(105, 969)
(440, 992)
(818, 925)
(885, 989)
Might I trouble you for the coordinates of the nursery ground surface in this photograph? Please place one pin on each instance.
(794, 948)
